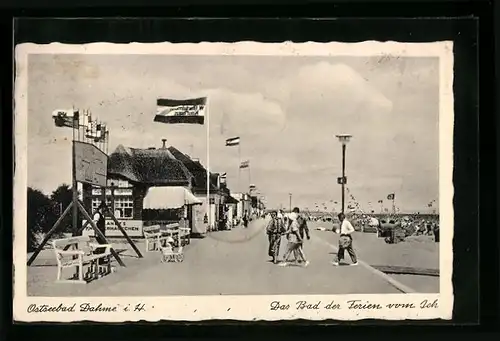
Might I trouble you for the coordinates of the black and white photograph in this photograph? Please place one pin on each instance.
(244, 181)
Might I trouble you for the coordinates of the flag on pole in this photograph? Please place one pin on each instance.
(91, 131)
(101, 132)
(391, 196)
(233, 141)
(98, 133)
(189, 111)
(85, 119)
(81, 119)
(223, 177)
(106, 135)
(245, 164)
(76, 119)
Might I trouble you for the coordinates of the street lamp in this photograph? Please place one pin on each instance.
(344, 139)
(290, 194)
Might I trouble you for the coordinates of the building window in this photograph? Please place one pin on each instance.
(124, 207)
(118, 183)
(96, 202)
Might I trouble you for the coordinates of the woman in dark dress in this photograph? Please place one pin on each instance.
(245, 219)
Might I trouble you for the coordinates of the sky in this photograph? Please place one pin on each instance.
(286, 110)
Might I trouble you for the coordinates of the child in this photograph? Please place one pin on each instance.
(167, 250)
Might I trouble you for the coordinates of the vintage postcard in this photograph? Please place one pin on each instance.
(243, 181)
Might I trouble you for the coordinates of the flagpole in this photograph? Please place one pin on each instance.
(74, 189)
(85, 125)
(101, 137)
(239, 166)
(249, 176)
(78, 126)
(104, 142)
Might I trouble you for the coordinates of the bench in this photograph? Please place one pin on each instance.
(184, 236)
(180, 234)
(154, 235)
(81, 254)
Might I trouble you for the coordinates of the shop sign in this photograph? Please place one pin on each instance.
(118, 191)
(132, 227)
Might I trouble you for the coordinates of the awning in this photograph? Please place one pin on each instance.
(169, 198)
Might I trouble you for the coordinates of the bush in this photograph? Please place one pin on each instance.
(42, 213)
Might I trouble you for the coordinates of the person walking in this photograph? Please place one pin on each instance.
(303, 232)
(274, 236)
(294, 242)
(345, 241)
(436, 232)
(100, 222)
(245, 219)
(303, 228)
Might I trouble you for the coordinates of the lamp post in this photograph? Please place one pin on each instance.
(344, 139)
(290, 195)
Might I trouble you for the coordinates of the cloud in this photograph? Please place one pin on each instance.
(287, 112)
(243, 114)
(337, 89)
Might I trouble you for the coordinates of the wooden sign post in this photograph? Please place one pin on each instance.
(89, 165)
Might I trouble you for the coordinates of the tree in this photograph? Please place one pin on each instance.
(41, 216)
(61, 198)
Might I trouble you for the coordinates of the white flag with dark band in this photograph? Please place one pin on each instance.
(91, 130)
(233, 141)
(190, 111)
(66, 118)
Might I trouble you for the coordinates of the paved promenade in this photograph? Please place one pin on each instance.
(236, 263)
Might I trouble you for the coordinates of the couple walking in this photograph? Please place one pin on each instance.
(295, 229)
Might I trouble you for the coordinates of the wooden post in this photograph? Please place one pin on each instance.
(130, 241)
(117, 223)
(75, 192)
(343, 176)
(98, 232)
(112, 189)
(75, 198)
